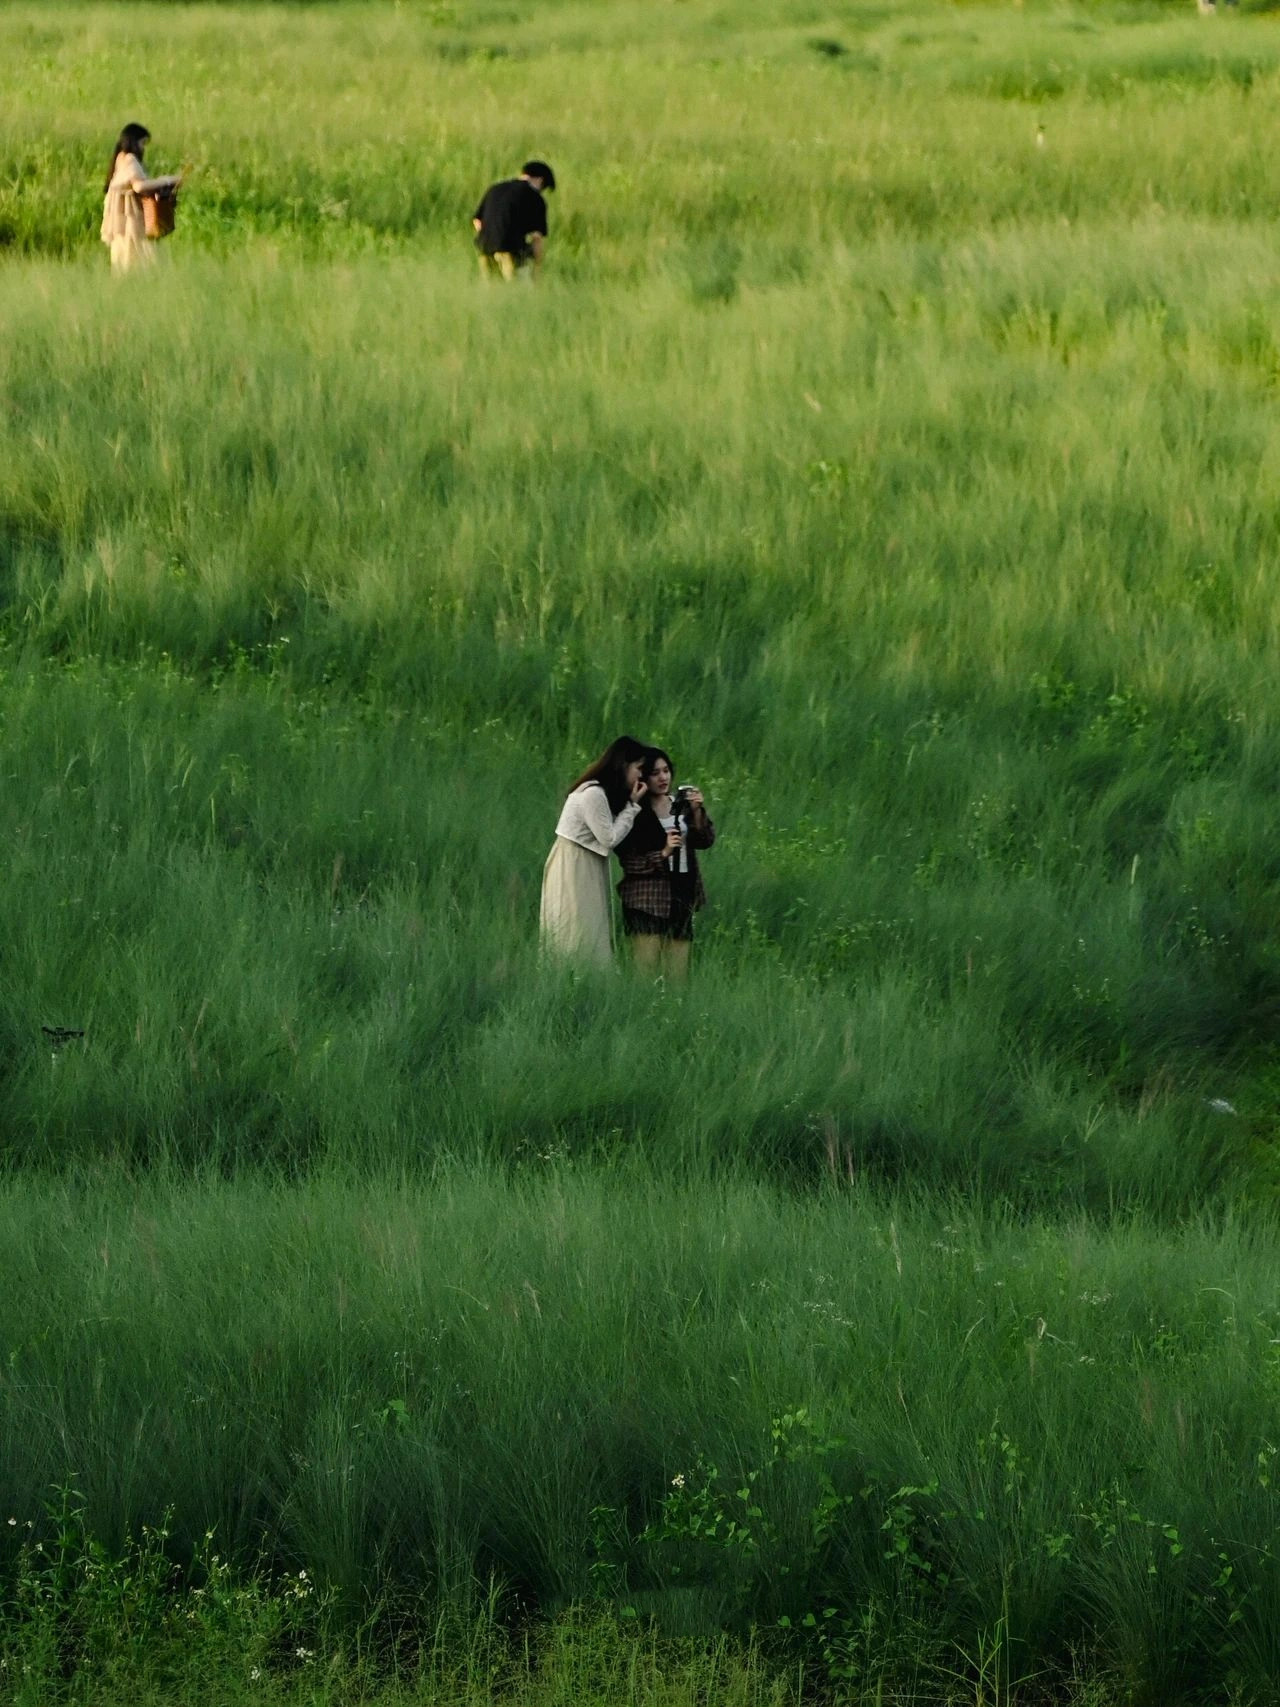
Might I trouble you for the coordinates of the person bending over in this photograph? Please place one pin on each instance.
(598, 811)
(661, 886)
(511, 222)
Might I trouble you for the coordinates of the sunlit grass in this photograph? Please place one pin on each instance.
(893, 437)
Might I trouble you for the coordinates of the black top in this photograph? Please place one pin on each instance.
(509, 213)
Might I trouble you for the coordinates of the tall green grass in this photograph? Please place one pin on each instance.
(979, 688)
(913, 1413)
(294, 927)
(892, 437)
(775, 128)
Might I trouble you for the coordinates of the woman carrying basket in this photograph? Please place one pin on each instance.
(124, 225)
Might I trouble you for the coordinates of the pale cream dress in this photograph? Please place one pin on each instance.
(575, 918)
(123, 227)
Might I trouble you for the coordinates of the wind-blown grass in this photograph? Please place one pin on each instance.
(1062, 1429)
(891, 436)
(979, 691)
(259, 907)
(775, 129)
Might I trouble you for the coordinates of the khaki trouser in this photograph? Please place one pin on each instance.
(503, 263)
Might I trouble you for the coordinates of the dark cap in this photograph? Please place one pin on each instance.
(539, 169)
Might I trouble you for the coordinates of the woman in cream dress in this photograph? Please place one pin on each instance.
(123, 224)
(598, 813)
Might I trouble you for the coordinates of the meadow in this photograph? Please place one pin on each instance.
(889, 1316)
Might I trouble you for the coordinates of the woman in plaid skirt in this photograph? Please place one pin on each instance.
(661, 886)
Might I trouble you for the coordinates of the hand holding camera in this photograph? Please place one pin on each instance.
(687, 803)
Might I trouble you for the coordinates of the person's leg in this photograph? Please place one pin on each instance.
(677, 961)
(646, 951)
(506, 265)
(679, 937)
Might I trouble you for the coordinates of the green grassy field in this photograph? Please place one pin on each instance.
(890, 1316)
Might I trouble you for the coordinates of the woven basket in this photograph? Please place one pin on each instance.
(158, 214)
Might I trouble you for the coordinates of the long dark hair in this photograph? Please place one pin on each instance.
(610, 770)
(132, 140)
(647, 833)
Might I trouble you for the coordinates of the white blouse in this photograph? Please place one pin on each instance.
(587, 820)
(122, 206)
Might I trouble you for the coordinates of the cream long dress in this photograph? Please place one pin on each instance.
(123, 227)
(575, 917)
